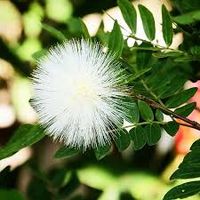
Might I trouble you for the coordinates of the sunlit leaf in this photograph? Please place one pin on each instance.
(195, 50)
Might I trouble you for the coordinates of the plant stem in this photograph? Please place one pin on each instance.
(150, 92)
(154, 104)
(143, 40)
(156, 45)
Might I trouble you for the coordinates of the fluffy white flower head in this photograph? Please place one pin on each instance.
(78, 93)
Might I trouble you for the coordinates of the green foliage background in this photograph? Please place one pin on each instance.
(129, 168)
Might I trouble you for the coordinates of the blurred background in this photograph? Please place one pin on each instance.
(29, 26)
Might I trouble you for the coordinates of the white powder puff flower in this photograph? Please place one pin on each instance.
(78, 93)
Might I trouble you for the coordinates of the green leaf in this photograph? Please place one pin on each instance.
(5, 177)
(185, 58)
(59, 177)
(25, 135)
(184, 190)
(133, 112)
(153, 133)
(159, 115)
(54, 32)
(191, 157)
(122, 140)
(167, 29)
(129, 14)
(65, 152)
(188, 18)
(195, 50)
(174, 54)
(10, 194)
(189, 168)
(145, 111)
(37, 189)
(150, 48)
(138, 136)
(102, 151)
(187, 171)
(135, 115)
(173, 89)
(186, 110)
(147, 21)
(171, 128)
(138, 74)
(84, 30)
(116, 41)
(181, 98)
(39, 54)
(72, 185)
(143, 57)
(74, 26)
(195, 145)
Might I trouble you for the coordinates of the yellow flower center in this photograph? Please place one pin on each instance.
(84, 90)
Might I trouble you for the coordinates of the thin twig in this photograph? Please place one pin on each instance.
(154, 104)
(156, 45)
(183, 124)
(143, 40)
